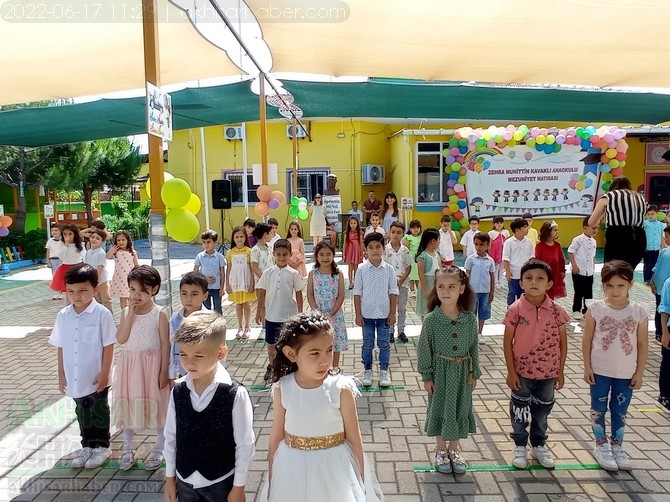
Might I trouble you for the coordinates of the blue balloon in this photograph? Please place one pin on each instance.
(588, 182)
(454, 175)
(463, 149)
(586, 144)
(548, 149)
(539, 148)
(486, 164)
(461, 203)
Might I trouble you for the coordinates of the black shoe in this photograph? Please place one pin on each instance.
(664, 403)
(658, 338)
(268, 373)
(392, 340)
(403, 337)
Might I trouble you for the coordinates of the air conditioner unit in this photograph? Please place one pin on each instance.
(301, 133)
(233, 132)
(373, 174)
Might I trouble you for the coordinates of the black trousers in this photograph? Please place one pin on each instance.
(583, 285)
(93, 417)
(657, 317)
(217, 492)
(664, 374)
(650, 259)
(625, 243)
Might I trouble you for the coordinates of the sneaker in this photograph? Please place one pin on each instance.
(605, 458)
(403, 337)
(392, 339)
(268, 373)
(384, 378)
(543, 456)
(80, 460)
(621, 458)
(482, 340)
(153, 461)
(98, 457)
(367, 378)
(457, 463)
(664, 404)
(442, 464)
(520, 460)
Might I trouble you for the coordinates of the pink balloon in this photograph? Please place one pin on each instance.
(455, 151)
(458, 187)
(534, 132)
(273, 203)
(620, 156)
(560, 139)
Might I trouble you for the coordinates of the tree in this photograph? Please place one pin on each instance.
(94, 165)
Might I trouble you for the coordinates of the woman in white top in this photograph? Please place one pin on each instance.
(317, 224)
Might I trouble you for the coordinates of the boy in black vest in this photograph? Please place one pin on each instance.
(209, 437)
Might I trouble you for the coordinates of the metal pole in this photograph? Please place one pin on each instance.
(205, 186)
(245, 185)
(264, 132)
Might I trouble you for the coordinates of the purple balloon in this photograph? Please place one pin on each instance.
(4, 232)
(273, 203)
(450, 159)
(450, 184)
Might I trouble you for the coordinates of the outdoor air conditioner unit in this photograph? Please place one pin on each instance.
(373, 174)
(233, 132)
(300, 131)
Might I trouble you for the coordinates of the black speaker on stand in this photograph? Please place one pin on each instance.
(222, 199)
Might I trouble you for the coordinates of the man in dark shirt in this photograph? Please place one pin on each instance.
(372, 205)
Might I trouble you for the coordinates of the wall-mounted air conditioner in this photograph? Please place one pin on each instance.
(233, 132)
(300, 131)
(373, 174)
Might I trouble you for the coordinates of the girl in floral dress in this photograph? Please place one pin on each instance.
(353, 248)
(240, 281)
(325, 293)
(549, 250)
(125, 258)
(297, 258)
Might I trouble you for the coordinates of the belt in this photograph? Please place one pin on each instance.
(313, 443)
(459, 360)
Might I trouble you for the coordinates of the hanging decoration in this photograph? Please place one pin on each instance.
(181, 206)
(298, 208)
(5, 223)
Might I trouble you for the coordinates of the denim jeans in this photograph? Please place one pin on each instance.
(620, 392)
(383, 342)
(213, 301)
(531, 404)
(514, 290)
(402, 309)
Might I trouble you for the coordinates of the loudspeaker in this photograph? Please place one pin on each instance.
(222, 194)
(659, 190)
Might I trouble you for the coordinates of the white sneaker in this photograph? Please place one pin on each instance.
(481, 338)
(605, 457)
(384, 378)
(520, 460)
(367, 378)
(98, 457)
(621, 458)
(543, 456)
(80, 460)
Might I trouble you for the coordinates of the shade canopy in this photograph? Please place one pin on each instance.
(376, 99)
(57, 50)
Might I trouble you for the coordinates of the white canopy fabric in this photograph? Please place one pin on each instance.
(601, 43)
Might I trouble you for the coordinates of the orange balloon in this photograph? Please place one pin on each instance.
(261, 208)
(446, 210)
(279, 195)
(6, 221)
(264, 193)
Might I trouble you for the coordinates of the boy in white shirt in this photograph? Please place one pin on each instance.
(354, 211)
(261, 254)
(274, 236)
(97, 258)
(207, 407)
(53, 261)
(467, 241)
(582, 253)
(399, 257)
(375, 225)
(276, 302)
(447, 241)
(85, 334)
(517, 250)
(212, 265)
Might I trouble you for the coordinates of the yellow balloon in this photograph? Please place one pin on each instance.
(181, 225)
(175, 193)
(194, 205)
(147, 187)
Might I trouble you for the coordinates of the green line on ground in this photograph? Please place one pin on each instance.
(377, 388)
(260, 387)
(532, 467)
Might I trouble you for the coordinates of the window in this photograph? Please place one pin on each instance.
(310, 182)
(431, 181)
(235, 178)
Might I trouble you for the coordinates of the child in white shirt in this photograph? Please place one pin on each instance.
(467, 241)
(447, 241)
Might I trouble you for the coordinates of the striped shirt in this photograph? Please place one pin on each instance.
(625, 208)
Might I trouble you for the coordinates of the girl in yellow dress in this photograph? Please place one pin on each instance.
(240, 281)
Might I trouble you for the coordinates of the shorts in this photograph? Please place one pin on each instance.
(482, 307)
(272, 330)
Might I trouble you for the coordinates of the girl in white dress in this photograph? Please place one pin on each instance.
(315, 428)
(317, 223)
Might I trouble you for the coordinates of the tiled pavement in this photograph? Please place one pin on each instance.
(37, 430)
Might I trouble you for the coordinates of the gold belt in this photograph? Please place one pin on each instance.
(313, 443)
(459, 360)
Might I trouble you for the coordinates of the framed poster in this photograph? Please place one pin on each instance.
(653, 152)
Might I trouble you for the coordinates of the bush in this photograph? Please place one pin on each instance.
(135, 221)
(31, 242)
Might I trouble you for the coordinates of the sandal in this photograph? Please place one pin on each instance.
(153, 461)
(239, 334)
(245, 335)
(128, 459)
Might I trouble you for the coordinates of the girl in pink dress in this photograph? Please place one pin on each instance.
(297, 258)
(125, 258)
(141, 391)
(353, 247)
(549, 250)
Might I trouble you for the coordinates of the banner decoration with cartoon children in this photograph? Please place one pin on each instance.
(510, 171)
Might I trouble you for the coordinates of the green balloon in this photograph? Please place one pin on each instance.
(302, 200)
(175, 193)
(464, 222)
(293, 211)
(182, 225)
(455, 225)
(295, 201)
(660, 216)
(303, 214)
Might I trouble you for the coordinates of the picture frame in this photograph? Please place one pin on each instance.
(653, 152)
